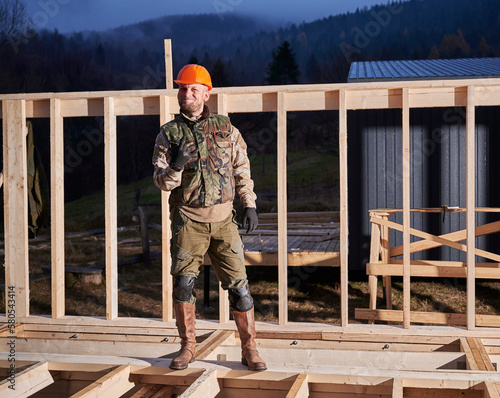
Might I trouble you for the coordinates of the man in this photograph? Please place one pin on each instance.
(201, 158)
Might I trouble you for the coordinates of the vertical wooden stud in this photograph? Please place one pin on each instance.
(166, 234)
(110, 169)
(406, 207)
(57, 207)
(15, 207)
(471, 209)
(282, 212)
(374, 258)
(169, 70)
(344, 215)
(397, 388)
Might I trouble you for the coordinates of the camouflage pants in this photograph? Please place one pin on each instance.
(221, 240)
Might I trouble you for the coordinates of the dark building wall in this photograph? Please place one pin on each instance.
(438, 174)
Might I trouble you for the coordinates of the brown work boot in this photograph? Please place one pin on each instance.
(185, 317)
(250, 357)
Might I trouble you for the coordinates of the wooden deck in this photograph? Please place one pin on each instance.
(73, 357)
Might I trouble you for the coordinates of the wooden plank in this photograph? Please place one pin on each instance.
(205, 386)
(406, 206)
(27, 382)
(431, 271)
(492, 389)
(480, 355)
(153, 391)
(374, 98)
(136, 105)
(471, 204)
(166, 115)
(169, 70)
(110, 203)
(251, 102)
(82, 107)
(300, 387)
(442, 241)
(442, 393)
(211, 343)
(397, 388)
(57, 208)
(470, 358)
(166, 233)
(487, 95)
(425, 97)
(114, 384)
(456, 236)
(438, 318)
(344, 211)
(374, 257)
(15, 208)
(282, 212)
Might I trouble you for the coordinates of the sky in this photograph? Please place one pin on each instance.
(79, 15)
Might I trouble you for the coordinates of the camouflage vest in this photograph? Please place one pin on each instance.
(207, 178)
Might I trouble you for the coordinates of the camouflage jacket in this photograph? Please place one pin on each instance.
(211, 177)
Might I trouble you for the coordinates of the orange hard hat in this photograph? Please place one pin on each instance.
(194, 74)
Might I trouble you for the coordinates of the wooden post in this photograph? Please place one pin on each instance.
(374, 258)
(57, 207)
(471, 209)
(223, 295)
(344, 216)
(385, 257)
(169, 70)
(406, 208)
(15, 207)
(110, 170)
(166, 232)
(282, 212)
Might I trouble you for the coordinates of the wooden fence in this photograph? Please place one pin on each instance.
(16, 108)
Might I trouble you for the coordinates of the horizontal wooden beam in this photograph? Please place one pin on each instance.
(437, 318)
(489, 271)
(300, 387)
(476, 356)
(315, 97)
(27, 382)
(210, 344)
(205, 386)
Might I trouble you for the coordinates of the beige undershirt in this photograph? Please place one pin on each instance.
(214, 213)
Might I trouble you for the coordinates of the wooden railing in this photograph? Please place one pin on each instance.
(382, 263)
(16, 108)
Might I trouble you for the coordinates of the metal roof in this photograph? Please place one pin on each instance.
(424, 69)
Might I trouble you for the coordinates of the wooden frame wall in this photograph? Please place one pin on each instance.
(281, 99)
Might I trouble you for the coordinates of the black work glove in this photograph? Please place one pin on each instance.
(250, 219)
(181, 154)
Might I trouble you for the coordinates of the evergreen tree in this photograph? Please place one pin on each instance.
(219, 75)
(283, 69)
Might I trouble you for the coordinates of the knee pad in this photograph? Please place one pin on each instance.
(241, 299)
(183, 288)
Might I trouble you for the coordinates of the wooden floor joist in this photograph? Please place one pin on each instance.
(27, 382)
(114, 384)
(300, 363)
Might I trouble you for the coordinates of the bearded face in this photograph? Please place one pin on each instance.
(191, 98)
